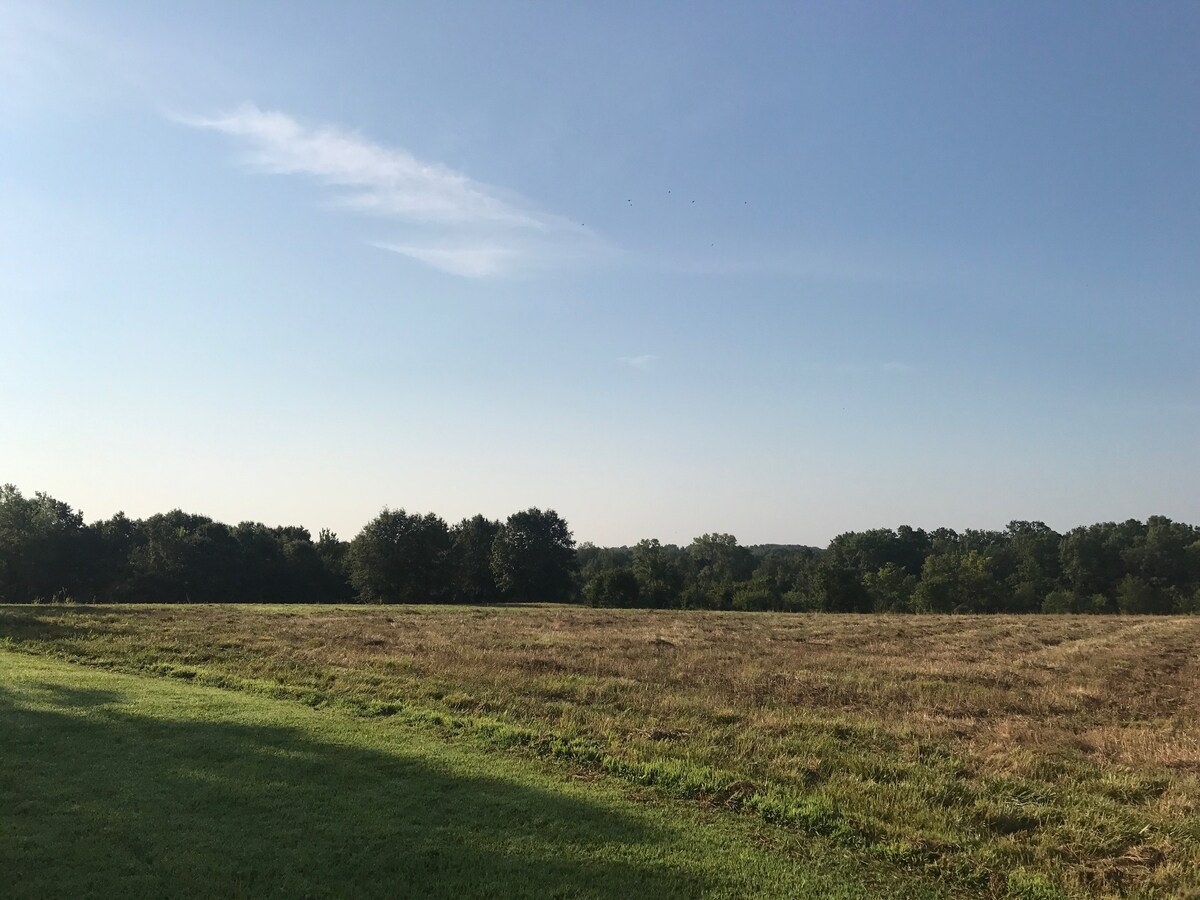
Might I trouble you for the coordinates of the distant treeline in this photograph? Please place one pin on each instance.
(48, 554)
(1128, 567)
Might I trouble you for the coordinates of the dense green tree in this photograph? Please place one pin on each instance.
(1093, 557)
(592, 560)
(401, 558)
(1140, 596)
(890, 588)
(957, 582)
(533, 557)
(836, 587)
(787, 581)
(719, 557)
(335, 571)
(869, 551)
(181, 557)
(718, 565)
(938, 589)
(42, 547)
(755, 596)
(1189, 605)
(1060, 601)
(613, 588)
(473, 580)
(1165, 557)
(110, 545)
(659, 571)
(943, 541)
(1028, 564)
(774, 581)
(263, 571)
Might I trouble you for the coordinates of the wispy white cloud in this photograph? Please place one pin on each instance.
(645, 361)
(468, 260)
(464, 227)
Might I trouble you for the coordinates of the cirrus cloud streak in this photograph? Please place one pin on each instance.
(451, 221)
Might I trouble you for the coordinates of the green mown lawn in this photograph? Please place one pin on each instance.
(116, 785)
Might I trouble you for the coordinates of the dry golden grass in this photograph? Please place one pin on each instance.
(1066, 746)
(1117, 691)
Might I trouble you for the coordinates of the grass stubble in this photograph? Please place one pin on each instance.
(993, 756)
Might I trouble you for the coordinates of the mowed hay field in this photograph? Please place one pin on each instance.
(989, 756)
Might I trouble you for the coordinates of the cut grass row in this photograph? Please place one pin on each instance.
(116, 785)
(961, 750)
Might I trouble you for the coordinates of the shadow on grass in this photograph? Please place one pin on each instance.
(98, 801)
(61, 695)
(48, 623)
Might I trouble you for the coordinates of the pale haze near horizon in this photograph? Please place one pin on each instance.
(780, 272)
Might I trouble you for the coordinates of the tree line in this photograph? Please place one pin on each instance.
(1132, 567)
(49, 553)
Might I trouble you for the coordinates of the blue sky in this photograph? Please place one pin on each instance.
(778, 270)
